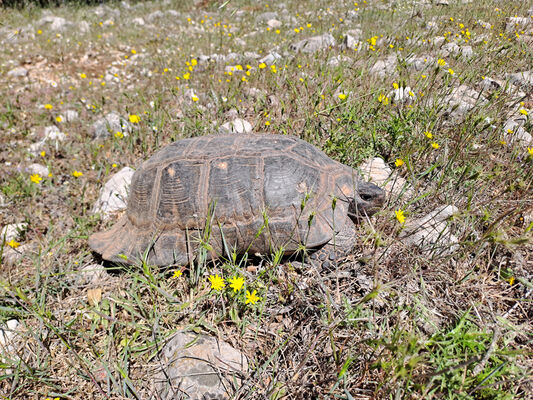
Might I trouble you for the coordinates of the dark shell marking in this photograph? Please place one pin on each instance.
(241, 177)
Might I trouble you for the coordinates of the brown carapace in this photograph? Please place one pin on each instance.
(237, 193)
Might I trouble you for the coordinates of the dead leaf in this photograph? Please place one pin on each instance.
(94, 296)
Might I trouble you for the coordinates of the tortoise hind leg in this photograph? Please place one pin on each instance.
(338, 247)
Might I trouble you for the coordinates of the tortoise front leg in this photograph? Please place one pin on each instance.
(338, 247)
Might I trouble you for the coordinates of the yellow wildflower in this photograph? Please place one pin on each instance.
(195, 98)
(43, 153)
(36, 178)
(435, 145)
(48, 106)
(77, 174)
(236, 283)
(451, 71)
(262, 66)
(523, 111)
(252, 297)
(441, 62)
(59, 119)
(13, 244)
(217, 283)
(399, 162)
(530, 151)
(383, 99)
(342, 96)
(134, 119)
(428, 134)
(399, 216)
(177, 273)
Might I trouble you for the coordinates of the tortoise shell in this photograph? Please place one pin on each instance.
(236, 192)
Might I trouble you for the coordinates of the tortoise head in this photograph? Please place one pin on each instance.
(368, 199)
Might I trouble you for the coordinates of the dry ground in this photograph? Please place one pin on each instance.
(393, 319)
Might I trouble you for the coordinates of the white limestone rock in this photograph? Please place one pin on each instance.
(13, 231)
(201, 366)
(314, 44)
(376, 171)
(238, 125)
(114, 194)
(431, 233)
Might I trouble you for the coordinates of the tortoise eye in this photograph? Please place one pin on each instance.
(366, 196)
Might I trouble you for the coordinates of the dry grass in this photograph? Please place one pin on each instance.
(390, 321)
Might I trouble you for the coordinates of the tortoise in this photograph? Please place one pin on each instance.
(236, 194)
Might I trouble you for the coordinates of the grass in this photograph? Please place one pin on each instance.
(389, 321)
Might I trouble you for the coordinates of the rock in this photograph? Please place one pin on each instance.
(18, 72)
(271, 58)
(138, 21)
(8, 331)
(340, 59)
(36, 148)
(198, 367)
(114, 194)
(315, 43)
(450, 48)
(56, 24)
(517, 23)
(461, 100)
(92, 274)
(273, 102)
(12, 256)
(104, 11)
(483, 24)
(376, 171)
(266, 16)
(38, 169)
(431, 233)
(254, 93)
(467, 51)
(384, 67)
(274, 23)
(438, 41)
(13, 232)
(455, 50)
(84, 27)
(514, 130)
(154, 16)
(442, 3)
(109, 125)
(491, 85)
(3, 202)
(419, 63)
(173, 13)
(238, 125)
(71, 116)
(350, 42)
(523, 79)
